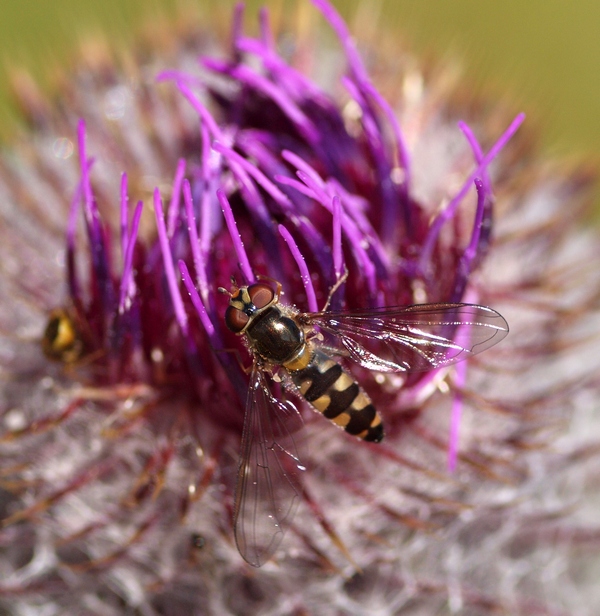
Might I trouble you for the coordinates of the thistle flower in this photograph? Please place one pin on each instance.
(119, 460)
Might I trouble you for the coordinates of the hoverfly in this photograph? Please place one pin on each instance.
(62, 340)
(281, 338)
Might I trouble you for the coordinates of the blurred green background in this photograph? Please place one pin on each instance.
(545, 52)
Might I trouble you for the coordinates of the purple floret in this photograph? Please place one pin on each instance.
(275, 184)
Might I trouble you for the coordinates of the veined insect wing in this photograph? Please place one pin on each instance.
(269, 484)
(412, 338)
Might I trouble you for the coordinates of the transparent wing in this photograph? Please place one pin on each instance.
(413, 338)
(268, 485)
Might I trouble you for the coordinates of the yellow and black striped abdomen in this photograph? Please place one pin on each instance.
(333, 392)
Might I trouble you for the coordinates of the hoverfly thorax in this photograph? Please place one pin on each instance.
(271, 332)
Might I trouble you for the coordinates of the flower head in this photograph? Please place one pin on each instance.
(122, 457)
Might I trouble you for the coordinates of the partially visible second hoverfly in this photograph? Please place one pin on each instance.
(290, 344)
(62, 340)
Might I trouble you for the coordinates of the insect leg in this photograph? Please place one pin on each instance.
(236, 353)
(339, 282)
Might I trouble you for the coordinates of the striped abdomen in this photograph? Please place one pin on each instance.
(333, 392)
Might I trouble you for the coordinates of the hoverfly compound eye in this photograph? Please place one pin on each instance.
(261, 294)
(235, 319)
(245, 303)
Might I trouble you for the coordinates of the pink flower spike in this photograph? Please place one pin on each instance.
(70, 238)
(100, 259)
(201, 110)
(349, 226)
(341, 30)
(266, 33)
(124, 215)
(73, 212)
(194, 242)
(178, 307)
(450, 210)
(301, 187)
(311, 297)
(127, 289)
(288, 106)
(363, 80)
(84, 165)
(254, 172)
(173, 211)
(247, 187)
(237, 24)
(477, 152)
(197, 301)
(302, 165)
(460, 379)
(240, 251)
(338, 264)
(471, 250)
(317, 187)
(209, 210)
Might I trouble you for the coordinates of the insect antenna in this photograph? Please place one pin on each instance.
(234, 288)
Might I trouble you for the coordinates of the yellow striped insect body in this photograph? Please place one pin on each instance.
(389, 339)
(276, 334)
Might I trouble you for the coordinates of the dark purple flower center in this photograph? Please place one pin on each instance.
(306, 192)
